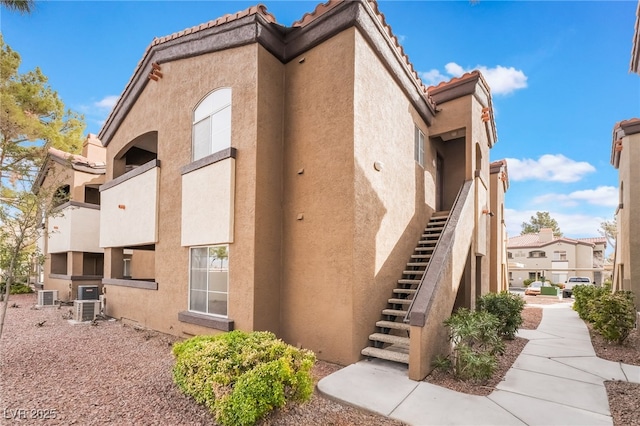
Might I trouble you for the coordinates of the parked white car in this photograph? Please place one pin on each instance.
(567, 291)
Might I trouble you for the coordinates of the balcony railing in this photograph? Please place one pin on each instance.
(74, 226)
(129, 207)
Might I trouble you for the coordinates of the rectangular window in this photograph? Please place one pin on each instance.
(209, 280)
(419, 147)
(532, 276)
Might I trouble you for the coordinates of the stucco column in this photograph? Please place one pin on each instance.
(113, 263)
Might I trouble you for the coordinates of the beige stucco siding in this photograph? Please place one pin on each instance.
(207, 204)
(268, 221)
(319, 200)
(391, 205)
(74, 229)
(166, 106)
(128, 214)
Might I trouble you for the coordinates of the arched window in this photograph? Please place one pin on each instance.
(212, 124)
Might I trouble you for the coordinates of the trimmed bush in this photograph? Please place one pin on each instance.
(614, 315)
(476, 343)
(527, 282)
(507, 307)
(240, 377)
(585, 297)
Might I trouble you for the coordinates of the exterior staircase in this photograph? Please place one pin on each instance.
(391, 342)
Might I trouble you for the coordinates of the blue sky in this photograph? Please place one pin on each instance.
(559, 73)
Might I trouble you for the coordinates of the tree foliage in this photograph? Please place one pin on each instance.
(22, 6)
(539, 221)
(32, 119)
(609, 230)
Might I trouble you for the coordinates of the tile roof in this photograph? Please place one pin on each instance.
(595, 240)
(620, 130)
(323, 8)
(532, 240)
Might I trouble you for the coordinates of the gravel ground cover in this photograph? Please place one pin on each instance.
(56, 373)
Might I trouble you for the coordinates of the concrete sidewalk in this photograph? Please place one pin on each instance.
(556, 380)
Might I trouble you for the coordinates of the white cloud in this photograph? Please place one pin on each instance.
(433, 77)
(606, 196)
(572, 225)
(501, 80)
(108, 102)
(549, 167)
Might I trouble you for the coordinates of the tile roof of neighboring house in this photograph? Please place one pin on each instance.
(620, 130)
(532, 241)
(307, 19)
(595, 240)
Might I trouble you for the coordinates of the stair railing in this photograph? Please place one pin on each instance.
(449, 228)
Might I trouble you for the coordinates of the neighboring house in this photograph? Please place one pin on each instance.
(70, 243)
(499, 276)
(282, 178)
(555, 258)
(625, 154)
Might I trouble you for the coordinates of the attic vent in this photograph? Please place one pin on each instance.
(47, 297)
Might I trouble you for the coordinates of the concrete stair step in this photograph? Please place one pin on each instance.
(421, 256)
(389, 355)
(418, 264)
(416, 272)
(433, 236)
(389, 338)
(404, 291)
(394, 312)
(428, 242)
(393, 325)
(422, 249)
(406, 281)
(399, 301)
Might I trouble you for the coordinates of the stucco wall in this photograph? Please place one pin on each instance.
(207, 204)
(128, 213)
(318, 223)
(392, 205)
(167, 107)
(74, 229)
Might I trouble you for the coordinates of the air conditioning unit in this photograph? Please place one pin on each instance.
(85, 310)
(88, 292)
(47, 297)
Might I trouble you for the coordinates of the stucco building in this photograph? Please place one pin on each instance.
(70, 243)
(555, 258)
(300, 180)
(625, 154)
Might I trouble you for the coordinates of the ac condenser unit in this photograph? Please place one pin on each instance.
(47, 297)
(88, 292)
(85, 310)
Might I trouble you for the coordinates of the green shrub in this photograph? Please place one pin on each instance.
(614, 315)
(527, 282)
(240, 377)
(585, 297)
(476, 343)
(17, 288)
(507, 307)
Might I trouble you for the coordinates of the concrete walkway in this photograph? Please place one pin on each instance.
(556, 380)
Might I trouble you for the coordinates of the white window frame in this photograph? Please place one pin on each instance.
(211, 105)
(208, 270)
(418, 153)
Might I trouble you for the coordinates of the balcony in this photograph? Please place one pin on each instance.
(74, 227)
(129, 211)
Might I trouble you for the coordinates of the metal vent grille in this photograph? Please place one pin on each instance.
(47, 297)
(85, 310)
